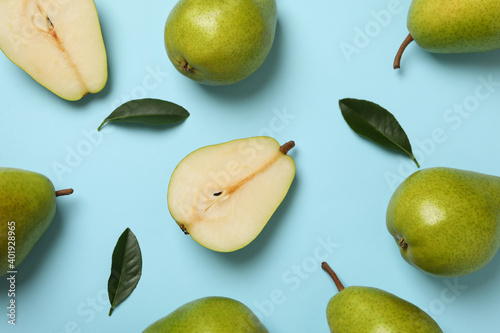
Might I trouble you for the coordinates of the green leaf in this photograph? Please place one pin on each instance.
(126, 269)
(148, 111)
(373, 122)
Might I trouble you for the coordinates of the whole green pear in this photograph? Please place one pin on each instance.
(220, 42)
(27, 207)
(445, 221)
(209, 315)
(358, 309)
(459, 26)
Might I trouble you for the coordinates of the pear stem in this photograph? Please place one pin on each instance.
(406, 42)
(67, 191)
(332, 274)
(285, 148)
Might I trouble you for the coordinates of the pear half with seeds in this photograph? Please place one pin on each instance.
(57, 42)
(223, 195)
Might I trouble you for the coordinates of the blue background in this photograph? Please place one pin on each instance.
(335, 210)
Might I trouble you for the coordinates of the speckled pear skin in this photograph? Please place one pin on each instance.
(458, 26)
(27, 198)
(449, 220)
(220, 42)
(371, 310)
(209, 315)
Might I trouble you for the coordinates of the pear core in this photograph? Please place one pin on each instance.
(58, 43)
(223, 195)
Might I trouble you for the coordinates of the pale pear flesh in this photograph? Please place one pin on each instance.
(223, 195)
(57, 42)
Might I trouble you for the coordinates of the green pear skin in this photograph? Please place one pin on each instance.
(220, 42)
(459, 26)
(209, 315)
(27, 199)
(446, 221)
(357, 309)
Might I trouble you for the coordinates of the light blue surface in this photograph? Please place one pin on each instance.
(335, 210)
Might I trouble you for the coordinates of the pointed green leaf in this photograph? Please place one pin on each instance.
(373, 122)
(126, 269)
(148, 111)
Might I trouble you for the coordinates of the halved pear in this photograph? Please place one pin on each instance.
(223, 195)
(58, 42)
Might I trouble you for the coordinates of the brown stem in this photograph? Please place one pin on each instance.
(67, 191)
(334, 276)
(406, 42)
(285, 148)
(402, 244)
